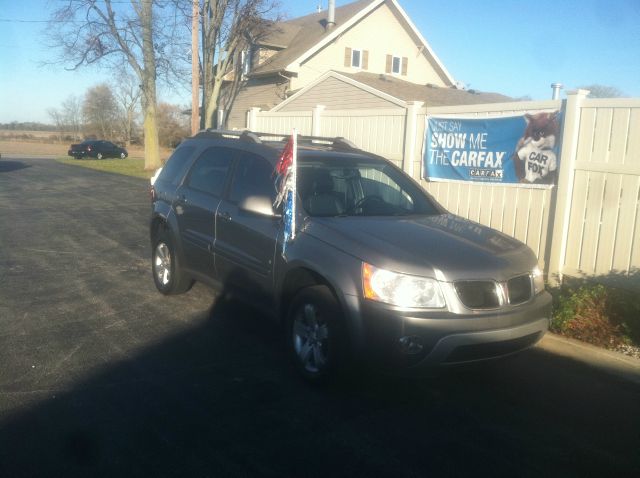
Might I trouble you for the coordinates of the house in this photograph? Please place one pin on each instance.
(370, 42)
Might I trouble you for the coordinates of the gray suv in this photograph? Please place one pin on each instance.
(377, 269)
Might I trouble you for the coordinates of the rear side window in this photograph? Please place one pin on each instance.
(176, 165)
(253, 177)
(209, 172)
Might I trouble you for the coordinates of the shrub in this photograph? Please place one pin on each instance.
(597, 314)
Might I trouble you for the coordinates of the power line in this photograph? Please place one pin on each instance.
(20, 20)
(17, 20)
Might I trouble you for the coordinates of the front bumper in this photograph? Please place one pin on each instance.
(476, 346)
(443, 338)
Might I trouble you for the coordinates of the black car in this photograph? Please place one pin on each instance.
(97, 148)
(377, 269)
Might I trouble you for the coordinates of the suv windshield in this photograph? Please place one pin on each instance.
(348, 187)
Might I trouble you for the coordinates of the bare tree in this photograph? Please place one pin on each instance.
(141, 34)
(229, 27)
(58, 119)
(602, 91)
(72, 112)
(173, 125)
(127, 93)
(100, 111)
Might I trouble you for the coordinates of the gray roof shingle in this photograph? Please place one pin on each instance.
(431, 95)
(298, 35)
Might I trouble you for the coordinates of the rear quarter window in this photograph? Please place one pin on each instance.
(209, 172)
(176, 165)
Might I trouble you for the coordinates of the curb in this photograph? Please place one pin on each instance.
(607, 361)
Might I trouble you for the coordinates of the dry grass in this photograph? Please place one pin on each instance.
(60, 149)
(131, 166)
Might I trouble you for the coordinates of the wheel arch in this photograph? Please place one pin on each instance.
(303, 276)
(158, 224)
(296, 280)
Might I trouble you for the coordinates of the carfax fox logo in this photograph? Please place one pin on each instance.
(535, 157)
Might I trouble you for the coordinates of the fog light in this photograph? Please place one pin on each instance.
(410, 345)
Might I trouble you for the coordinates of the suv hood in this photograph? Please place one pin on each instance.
(444, 246)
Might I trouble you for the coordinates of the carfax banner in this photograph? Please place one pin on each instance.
(507, 150)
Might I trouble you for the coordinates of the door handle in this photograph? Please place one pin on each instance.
(224, 215)
(181, 199)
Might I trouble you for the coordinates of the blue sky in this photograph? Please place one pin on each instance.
(512, 47)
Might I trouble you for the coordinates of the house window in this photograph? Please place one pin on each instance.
(356, 58)
(245, 61)
(396, 65)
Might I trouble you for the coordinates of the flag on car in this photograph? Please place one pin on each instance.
(285, 173)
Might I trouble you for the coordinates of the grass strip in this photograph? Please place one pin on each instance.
(128, 166)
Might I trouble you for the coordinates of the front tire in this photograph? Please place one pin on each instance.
(123, 155)
(315, 334)
(99, 155)
(165, 265)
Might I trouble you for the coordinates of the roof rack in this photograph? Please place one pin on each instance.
(255, 137)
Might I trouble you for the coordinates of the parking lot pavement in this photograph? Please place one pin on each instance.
(102, 376)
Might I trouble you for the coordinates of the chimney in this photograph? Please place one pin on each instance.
(556, 87)
(331, 15)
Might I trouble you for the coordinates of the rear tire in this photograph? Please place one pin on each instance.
(316, 335)
(123, 155)
(99, 155)
(165, 266)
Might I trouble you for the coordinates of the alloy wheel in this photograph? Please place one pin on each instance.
(311, 338)
(162, 264)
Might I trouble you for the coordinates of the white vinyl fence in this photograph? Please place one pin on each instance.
(587, 225)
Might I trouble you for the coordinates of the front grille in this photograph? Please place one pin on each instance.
(519, 289)
(478, 294)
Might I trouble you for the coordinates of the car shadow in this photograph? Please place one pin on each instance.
(220, 399)
(9, 166)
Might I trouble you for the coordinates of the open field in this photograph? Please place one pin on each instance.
(34, 146)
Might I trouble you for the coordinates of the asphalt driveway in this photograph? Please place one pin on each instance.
(102, 376)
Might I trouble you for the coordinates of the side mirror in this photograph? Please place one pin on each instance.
(258, 205)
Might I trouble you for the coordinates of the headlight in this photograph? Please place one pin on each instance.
(538, 280)
(400, 289)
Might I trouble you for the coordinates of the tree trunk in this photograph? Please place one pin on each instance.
(195, 69)
(151, 140)
(129, 126)
(212, 104)
(151, 143)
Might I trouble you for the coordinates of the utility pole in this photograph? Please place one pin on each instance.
(195, 69)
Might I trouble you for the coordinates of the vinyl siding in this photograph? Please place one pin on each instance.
(264, 93)
(335, 94)
(382, 32)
